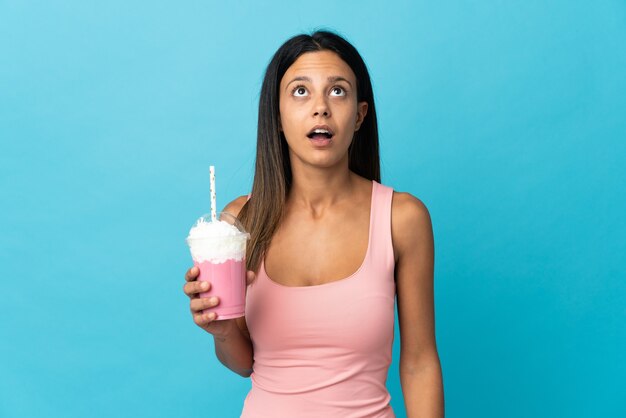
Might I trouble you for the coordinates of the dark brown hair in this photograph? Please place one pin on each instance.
(261, 215)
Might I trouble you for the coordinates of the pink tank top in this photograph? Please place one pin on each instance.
(324, 351)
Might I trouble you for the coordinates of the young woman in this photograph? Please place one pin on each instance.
(330, 250)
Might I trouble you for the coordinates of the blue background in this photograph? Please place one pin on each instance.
(507, 118)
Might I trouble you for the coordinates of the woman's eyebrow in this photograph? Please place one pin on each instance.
(336, 78)
(331, 79)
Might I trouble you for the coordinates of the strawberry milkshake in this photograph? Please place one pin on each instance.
(218, 248)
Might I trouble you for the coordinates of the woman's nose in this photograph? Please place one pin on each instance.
(321, 107)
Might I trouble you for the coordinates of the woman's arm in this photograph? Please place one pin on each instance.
(233, 346)
(420, 370)
(234, 351)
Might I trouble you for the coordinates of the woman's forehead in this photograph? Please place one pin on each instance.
(319, 65)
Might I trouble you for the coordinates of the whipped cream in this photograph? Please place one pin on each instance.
(216, 242)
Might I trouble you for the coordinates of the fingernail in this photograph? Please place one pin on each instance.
(204, 285)
(213, 300)
(212, 315)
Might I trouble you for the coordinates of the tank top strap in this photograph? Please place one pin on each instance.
(381, 245)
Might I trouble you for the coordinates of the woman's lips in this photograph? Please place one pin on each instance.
(321, 140)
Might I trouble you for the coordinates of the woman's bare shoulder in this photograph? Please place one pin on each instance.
(407, 207)
(235, 206)
(410, 222)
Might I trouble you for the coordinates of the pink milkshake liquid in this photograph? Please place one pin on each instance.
(228, 283)
(218, 248)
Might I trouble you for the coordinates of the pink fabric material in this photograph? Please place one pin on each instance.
(324, 351)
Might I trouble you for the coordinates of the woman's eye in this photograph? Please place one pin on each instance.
(299, 91)
(338, 91)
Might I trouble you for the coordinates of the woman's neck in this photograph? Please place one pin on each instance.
(315, 188)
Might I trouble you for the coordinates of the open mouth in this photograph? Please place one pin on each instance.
(320, 134)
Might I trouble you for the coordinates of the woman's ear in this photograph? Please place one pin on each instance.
(361, 111)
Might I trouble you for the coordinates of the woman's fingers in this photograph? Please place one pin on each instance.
(193, 288)
(192, 274)
(200, 304)
(204, 319)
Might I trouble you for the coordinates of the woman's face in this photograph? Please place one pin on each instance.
(319, 112)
